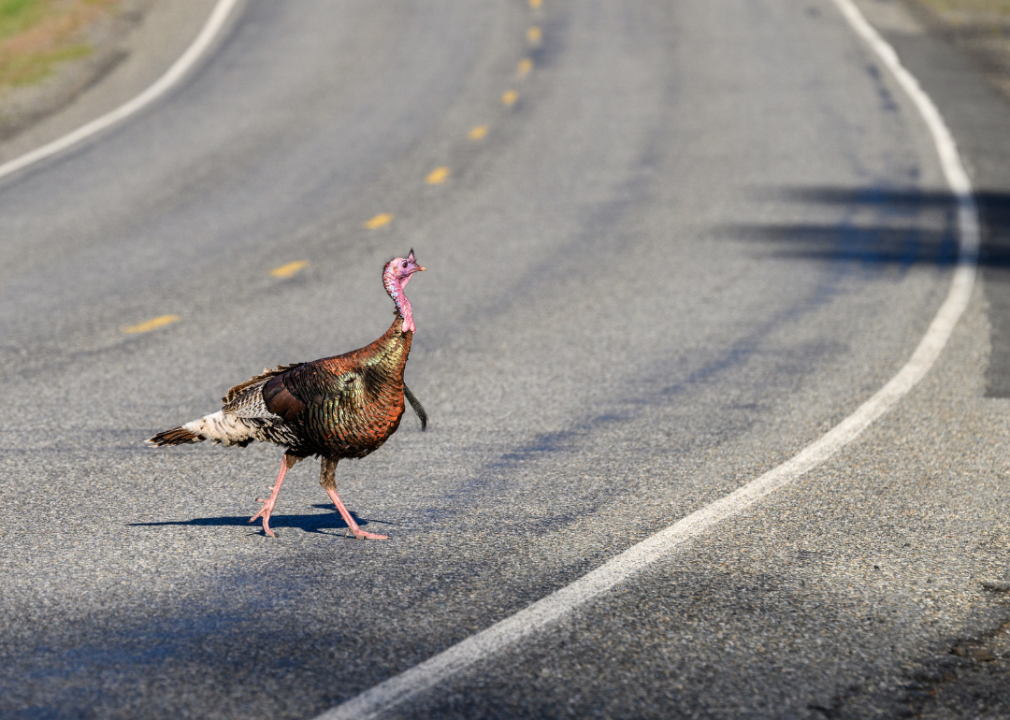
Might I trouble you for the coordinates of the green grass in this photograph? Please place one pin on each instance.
(36, 35)
(984, 7)
(30, 68)
(19, 15)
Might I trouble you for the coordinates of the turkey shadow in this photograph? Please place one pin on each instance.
(314, 523)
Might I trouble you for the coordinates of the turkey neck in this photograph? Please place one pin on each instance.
(395, 287)
(387, 356)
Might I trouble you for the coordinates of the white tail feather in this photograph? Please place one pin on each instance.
(223, 428)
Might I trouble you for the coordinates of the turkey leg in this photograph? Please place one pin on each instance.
(288, 461)
(327, 478)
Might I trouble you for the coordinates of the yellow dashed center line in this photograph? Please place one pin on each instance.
(152, 324)
(437, 176)
(292, 268)
(379, 221)
(535, 4)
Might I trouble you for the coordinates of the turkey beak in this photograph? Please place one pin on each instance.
(420, 268)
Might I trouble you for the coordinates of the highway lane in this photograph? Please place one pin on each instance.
(701, 235)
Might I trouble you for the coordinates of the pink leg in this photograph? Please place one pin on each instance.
(268, 504)
(355, 530)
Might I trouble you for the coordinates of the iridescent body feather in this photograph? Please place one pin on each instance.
(338, 407)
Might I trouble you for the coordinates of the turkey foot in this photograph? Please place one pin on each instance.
(351, 525)
(268, 507)
(268, 504)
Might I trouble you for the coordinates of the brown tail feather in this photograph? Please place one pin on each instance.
(175, 436)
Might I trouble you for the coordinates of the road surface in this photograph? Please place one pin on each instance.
(676, 243)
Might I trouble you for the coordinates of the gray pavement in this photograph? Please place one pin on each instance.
(703, 234)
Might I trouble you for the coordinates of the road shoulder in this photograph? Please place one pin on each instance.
(149, 45)
(978, 115)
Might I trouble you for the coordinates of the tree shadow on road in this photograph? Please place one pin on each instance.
(898, 228)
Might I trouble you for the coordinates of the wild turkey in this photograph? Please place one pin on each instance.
(338, 407)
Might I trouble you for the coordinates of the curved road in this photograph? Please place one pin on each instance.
(697, 236)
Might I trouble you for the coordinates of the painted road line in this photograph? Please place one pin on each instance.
(557, 605)
(437, 176)
(534, 35)
(380, 220)
(290, 269)
(152, 324)
(203, 41)
(509, 97)
(525, 65)
(535, 4)
(478, 133)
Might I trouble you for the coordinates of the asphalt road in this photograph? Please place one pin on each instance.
(702, 234)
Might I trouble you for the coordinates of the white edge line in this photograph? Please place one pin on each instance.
(179, 68)
(501, 635)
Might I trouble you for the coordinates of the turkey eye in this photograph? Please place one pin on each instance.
(405, 263)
